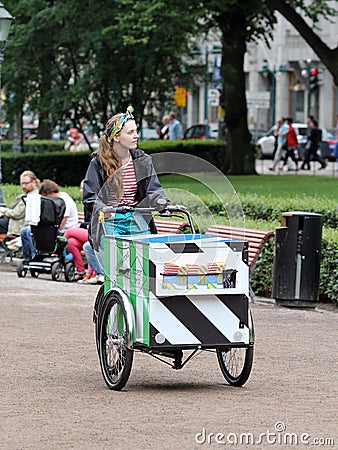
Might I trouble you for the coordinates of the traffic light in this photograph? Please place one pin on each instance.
(313, 79)
(180, 96)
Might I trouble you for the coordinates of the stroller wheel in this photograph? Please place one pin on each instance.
(34, 273)
(21, 270)
(69, 271)
(57, 271)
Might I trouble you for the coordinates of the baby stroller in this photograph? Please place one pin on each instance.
(50, 245)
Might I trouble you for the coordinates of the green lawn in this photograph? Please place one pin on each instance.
(286, 186)
(272, 185)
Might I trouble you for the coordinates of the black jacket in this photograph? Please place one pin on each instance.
(149, 188)
(314, 138)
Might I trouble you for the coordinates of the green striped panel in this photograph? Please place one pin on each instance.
(145, 267)
(132, 264)
(119, 263)
(107, 275)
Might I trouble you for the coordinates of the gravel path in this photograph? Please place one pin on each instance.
(53, 395)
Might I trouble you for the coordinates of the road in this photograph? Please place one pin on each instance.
(53, 395)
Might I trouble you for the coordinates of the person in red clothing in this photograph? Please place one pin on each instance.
(292, 143)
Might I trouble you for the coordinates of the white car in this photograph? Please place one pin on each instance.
(266, 144)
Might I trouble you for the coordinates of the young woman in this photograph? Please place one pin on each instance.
(121, 174)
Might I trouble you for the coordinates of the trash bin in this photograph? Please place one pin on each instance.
(296, 264)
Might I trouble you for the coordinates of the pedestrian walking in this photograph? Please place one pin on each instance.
(281, 143)
(291, 145)
(175, 127)
(312, 147)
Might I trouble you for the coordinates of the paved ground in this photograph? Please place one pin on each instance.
(53, 395)
(262, 167)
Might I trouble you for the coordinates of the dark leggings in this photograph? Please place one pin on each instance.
(290, 152)
(312, 152)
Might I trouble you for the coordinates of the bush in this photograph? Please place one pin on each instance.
(270, 209)
(35, 146)
(65, 168)
(262, 271)
(69, 168)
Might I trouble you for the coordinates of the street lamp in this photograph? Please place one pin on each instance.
(272, 72)
(206, 93)
(216, 49)
(5, 23)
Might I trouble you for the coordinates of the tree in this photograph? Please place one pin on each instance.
(328, 56)
(73, 67)
(238, 22)
(130, 52)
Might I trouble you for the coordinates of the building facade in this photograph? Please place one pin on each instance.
(284, 72)
(278, 81)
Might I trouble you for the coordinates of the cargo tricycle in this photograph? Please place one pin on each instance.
(173, 296)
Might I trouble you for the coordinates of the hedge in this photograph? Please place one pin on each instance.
(35, 146)
(69, 168)
(267, 208)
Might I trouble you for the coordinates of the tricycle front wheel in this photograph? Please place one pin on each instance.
(115, 357)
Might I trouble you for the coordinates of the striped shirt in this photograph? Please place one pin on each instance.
(129, 184)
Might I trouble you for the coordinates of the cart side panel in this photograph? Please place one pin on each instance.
(197, 315)
(212, 320)
(127, 268)
(193, 274)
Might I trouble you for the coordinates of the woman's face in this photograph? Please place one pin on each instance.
(128, 136)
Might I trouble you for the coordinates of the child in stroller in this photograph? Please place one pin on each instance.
(49, 244)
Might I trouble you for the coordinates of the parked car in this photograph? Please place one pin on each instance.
(148, 134)
(329, 141)
(30, 131)
(198, 132)
(4, 128)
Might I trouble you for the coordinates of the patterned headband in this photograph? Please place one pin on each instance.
(121, 122)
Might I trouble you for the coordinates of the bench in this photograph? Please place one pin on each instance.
(4, 250)
(170, 226)
(255, 238)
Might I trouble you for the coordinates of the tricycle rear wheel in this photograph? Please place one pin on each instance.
(115, 357)
(235, 364)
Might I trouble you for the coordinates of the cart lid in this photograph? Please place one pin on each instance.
(171, 238)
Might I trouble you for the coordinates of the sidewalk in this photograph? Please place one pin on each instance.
(262, 168)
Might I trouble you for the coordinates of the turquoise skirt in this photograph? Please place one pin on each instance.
(127, 224)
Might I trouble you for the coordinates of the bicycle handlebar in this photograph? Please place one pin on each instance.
(166, 211)
(124, 209)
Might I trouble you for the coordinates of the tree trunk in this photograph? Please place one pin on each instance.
(17, 146)
(241, 156)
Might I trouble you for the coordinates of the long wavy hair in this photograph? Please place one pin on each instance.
(109, 161)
